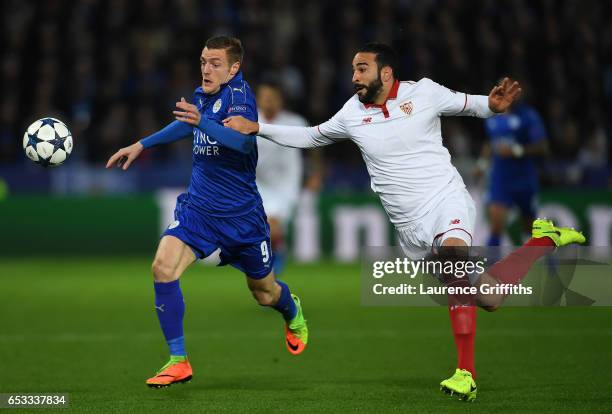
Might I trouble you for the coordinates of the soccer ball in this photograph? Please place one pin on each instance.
(47, 142)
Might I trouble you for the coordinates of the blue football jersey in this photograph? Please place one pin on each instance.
(523, 126)
(223, 179)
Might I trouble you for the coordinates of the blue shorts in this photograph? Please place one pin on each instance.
(244, 240)
(525, 199)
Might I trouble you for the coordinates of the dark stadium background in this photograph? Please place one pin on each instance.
(113, 69)
(76, 241)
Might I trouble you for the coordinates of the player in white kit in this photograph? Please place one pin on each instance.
(397, 127)
(279, 169)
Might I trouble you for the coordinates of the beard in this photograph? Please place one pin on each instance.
(372, 90)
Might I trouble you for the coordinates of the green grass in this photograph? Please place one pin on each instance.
(88, 327)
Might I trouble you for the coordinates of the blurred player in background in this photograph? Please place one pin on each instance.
(517, 139)
(222, 208)
(279, 170)
(397, 127)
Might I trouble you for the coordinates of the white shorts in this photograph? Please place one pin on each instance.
(278, 204)
(454, 216)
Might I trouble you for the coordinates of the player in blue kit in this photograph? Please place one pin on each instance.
(517, 139)
(222, 208)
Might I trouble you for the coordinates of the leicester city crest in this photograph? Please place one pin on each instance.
(217, 106)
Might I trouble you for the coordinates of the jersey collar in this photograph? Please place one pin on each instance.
(237, 79)
(392, 95)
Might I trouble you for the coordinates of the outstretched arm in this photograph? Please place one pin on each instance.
(452, 103)
(288, 136)
(225, 136)
(292, 136)
(172, 132)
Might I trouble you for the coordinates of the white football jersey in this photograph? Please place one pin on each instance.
(279, 169)
(400, 141)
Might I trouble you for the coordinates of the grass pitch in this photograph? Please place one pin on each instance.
(88, 327)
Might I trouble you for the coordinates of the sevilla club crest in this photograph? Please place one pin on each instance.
(407, 107)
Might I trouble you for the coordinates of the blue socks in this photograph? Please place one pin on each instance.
(170, 310)
(177, 346)
(285, 305)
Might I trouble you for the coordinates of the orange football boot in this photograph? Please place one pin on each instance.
(171, 373)
(294, 344)
(296, 330)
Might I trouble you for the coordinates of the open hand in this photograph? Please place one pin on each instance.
(124, 157)
(241, 124)
(187, 113)
(503, 95)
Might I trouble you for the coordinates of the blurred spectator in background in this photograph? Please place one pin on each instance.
(279, 169)
(87, 61)
(517, 145)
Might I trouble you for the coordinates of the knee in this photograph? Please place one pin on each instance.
(263, 297)
(163, 271)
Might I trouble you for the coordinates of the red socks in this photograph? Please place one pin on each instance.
(463, 322)
(513, 268)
